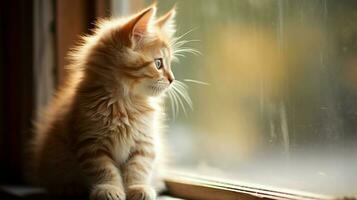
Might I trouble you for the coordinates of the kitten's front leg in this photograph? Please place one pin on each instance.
(137, 171)
(104, 176)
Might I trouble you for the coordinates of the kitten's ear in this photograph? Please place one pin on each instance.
(139, 25)
(167, 22)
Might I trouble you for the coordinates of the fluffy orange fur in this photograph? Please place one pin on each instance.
(101, 133)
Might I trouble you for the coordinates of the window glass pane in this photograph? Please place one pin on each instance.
(281, 105)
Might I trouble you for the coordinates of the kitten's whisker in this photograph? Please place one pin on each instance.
(172, 105)
(196, 81)
(181, 90)
(174, 95)
(180, 55)
(186, 41)
(183, 35)
(181, 84)
(188, 50)
(176, 44)
(186, 99)
(183, 42)
(180, 101)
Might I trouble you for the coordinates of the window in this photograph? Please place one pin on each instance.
(280, 109)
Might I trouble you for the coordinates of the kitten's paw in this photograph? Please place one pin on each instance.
(140, 192)
(107, 192)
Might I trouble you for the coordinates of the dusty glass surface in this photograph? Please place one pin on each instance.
(281, 105)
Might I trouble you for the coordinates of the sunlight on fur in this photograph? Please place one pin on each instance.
(101, 134)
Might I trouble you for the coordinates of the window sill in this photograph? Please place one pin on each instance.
(189, 186)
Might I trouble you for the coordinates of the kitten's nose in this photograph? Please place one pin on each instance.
(170, 77)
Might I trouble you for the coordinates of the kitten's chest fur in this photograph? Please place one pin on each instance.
(126, 139)
(127, 125)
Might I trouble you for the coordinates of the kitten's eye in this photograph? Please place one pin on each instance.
(158, 63)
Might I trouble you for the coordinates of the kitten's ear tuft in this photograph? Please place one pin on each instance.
(139, 25)
(167, 22)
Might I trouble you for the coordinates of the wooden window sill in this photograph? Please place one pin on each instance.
(189, 186)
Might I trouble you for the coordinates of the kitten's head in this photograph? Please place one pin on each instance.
(136, 52)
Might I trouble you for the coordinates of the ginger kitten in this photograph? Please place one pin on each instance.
(101, 133)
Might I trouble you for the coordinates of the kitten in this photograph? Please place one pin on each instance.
(102, 131)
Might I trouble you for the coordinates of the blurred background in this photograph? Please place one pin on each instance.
(280, 108)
